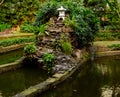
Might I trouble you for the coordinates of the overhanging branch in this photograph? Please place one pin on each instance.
(1, 2)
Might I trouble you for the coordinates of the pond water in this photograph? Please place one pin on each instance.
(10, 56)
(98, 78)
(16, 81)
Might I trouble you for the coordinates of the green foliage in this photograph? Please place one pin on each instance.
(30, 49)
(48, 61)
(14, 12)
(42, 30)
(113, 27)
(30, 28)
(70, 22)
(27, 27)
(4, 26)
(108, 36)
(87, 28)
(13, 41)
(114, 14)
(66, 47)
(82, 20)
(47, 10)
(108, 11)
(115, 46)
(99, 8)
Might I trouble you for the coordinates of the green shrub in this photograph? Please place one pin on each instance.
(47, 10)
(4, 26)
(66, 48)
(70, 22)
(48, 61)
(30, 49)
(87, 28)
(115, 46)
(13, 41)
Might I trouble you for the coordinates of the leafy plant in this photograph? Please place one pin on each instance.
(66, 47)
(70, 22)
(30, 49)
(30, 59)
(42, 30)
(47, 10)
(26, 27)
(48, 61)
(4, 26)
(115, 46)
(13, 41)
(29, 27)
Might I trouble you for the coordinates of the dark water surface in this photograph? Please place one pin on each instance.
(99, 78)
(15, 81)
(10, 56)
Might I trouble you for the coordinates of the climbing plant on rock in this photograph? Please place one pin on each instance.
(86, 26)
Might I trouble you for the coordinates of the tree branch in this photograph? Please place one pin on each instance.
(1, 2)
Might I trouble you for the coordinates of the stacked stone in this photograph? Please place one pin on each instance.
(46, 44)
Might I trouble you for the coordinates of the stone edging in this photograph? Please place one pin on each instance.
(11, 66)
(12, 47)
(50, 82)
(57, 78)
(15, 35)
(107, 53)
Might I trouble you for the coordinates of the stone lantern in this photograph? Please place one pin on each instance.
(61, 13)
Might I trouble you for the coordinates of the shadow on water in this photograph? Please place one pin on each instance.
(98, 78)
(16, 81)
(10, 56)
(13, 82)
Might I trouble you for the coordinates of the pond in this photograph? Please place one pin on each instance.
(98, 78)
(10, 56)
(13, 82)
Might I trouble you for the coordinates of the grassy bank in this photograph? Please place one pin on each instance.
(13, 41)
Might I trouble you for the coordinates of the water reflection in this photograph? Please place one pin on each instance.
(15, 81)
(100, 78)
(110, 91)
(10, 56)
